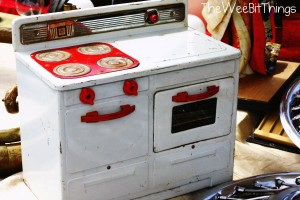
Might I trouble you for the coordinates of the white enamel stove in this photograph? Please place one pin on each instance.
(156, 122)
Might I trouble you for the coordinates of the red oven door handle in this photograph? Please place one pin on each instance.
(185, 97)
(94, 116)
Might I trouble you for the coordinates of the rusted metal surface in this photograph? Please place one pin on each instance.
(10, 135)
(10, 100)
(10, 158)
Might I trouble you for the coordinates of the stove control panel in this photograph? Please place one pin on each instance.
(101, 22)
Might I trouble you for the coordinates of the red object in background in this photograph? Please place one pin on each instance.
(227, 35)
(290, 38)
(8, 6)
(257, 61)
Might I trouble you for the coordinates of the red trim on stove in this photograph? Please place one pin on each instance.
(185, 97)
(94, 116)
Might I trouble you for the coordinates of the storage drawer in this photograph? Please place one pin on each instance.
(175, 168)
(110, 184)
(94, 144)
(104, 91)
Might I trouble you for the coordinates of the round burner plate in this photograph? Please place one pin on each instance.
(115, 62)
(71, 69)
(53, 56)
(96, 49)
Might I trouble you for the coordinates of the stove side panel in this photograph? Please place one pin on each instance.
(40, 135)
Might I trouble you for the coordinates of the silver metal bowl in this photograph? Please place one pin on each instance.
(290, 112)
(277, 186)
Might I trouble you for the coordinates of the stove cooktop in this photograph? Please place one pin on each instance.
(84, 60)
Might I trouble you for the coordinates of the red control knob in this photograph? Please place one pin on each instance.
(130, 87)
(87, 96)
(151, 16)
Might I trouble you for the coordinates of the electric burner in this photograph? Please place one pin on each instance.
(53, 56)
(115, 62)
(84, 60)
(94, 49)
(281, 186)
(71, 69)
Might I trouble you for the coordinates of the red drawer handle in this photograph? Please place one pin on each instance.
(94, 116)
(185, 97)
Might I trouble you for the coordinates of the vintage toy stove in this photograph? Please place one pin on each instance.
(124, 102)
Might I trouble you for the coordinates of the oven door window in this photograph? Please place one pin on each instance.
(193, 115)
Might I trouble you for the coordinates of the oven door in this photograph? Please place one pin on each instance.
(110, 131)
(193, 113)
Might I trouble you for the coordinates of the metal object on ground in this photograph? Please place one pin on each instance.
(289, 112)
(279, 186)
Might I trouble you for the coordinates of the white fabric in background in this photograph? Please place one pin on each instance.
(82, 4)
(196, 23)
